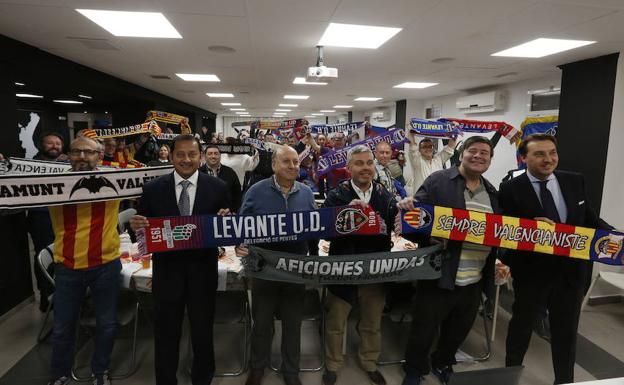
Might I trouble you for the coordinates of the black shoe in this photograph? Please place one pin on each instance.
(329, 377)
(255, 377)
(59, 381)
(412, 379)
(443, 374)
(292, 379)
(376, 378)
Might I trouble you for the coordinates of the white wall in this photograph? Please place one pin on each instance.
(612, 209)
(361, 114)
(515, 112)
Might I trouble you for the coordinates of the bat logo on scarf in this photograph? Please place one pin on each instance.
(93, 184)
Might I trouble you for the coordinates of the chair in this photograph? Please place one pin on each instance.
(45, 260)
(128, 311)
(124, 219)
(313, 312)
(402, 311)
(232, 307)
(613, 278)
(486, 331)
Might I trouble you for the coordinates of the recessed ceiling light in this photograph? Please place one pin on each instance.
(199, 77)
(85, 96)
(133, 24)
(304, 81)
(302, 97)
(84, 112)
(342, 106)
(415, 85)
(327, 110)
(219, 95)
(65, 101)
(317, 114)
(237, 109)
(282, 110)
(542, 47)
(242, 113)
(356, 36)
(278, 115)
(288, 105)
(366, 99)
(309, 116)
(230, 104)
(19, 84)
(29, 96)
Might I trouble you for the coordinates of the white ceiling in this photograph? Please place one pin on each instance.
(275, 40)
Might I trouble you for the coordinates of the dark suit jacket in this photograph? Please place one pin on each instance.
(159, 200)
(446, 188)
(518, 199)
(228, 175)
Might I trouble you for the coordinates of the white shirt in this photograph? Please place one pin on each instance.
(364, 196)
(241, 163)
(553, 186)
(422, 168)
(191, 189)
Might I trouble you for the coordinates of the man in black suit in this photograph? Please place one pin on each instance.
(214, 167)
(188, 278)
(543, 280)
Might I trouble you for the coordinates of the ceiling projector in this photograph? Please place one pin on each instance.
(322, 73)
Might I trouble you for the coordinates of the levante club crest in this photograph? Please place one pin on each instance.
(418, 218)
(350, 220)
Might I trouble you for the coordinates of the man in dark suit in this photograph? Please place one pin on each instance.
(188, 278)
(214, 167)
(543, 280)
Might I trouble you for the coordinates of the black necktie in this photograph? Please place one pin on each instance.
(548, 202)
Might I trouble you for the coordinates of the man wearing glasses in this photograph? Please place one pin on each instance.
(86, 255)
(425, 161)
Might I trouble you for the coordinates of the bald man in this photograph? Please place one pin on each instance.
(278, 194)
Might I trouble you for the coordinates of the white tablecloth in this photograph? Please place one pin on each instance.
(133, 273)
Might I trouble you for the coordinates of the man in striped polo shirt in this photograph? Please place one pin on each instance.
(86, 255)
(450, 304)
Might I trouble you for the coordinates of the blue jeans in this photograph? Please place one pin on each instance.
(70, 289)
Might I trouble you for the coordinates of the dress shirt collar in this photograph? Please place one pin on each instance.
(534, 179)
(365, 196)
(193, 178)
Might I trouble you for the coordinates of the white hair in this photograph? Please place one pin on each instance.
(359, 149)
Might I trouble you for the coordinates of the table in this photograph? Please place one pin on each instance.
(229, 272)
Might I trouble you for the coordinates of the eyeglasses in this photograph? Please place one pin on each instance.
(78, 152)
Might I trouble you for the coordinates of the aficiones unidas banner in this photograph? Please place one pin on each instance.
(201, 231)
(515, 233)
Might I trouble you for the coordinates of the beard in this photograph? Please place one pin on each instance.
(52, 153)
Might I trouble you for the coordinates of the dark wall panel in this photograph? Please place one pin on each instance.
(587, 89)
(401, 112)
(15, 280)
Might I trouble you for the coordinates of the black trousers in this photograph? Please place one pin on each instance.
(449, 312)
(563, 302)
(268, 299)
(181, 283)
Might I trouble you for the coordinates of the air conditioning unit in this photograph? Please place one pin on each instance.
(380, 115)
(484, 102)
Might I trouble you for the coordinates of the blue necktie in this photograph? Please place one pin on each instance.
(548, 202)
(184, 203)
